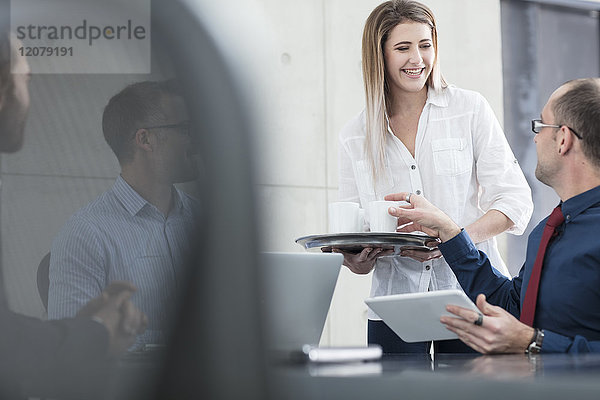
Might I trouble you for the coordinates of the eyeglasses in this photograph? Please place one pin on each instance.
(537, 125)
(183, 127)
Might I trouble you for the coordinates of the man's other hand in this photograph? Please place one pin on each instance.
(499, 331)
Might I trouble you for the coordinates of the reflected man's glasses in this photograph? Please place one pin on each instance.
(183, 127)
(537, 125)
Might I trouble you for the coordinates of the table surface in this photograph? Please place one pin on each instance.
(449, 376)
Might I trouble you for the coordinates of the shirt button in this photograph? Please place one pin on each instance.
(427, 267)
(568, 216)
(418, 192)
(413, 167)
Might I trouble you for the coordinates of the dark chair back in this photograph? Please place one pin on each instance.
(43, 279)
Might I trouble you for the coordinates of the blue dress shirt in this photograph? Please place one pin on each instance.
(568, 305)
(121, 236)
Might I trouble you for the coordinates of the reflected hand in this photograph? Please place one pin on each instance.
(363, 262)
(97, 303)
(504, 367)
(499, 332)
(122, 319)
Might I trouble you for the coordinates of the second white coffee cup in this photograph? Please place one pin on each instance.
(380, 219)
(344, 217)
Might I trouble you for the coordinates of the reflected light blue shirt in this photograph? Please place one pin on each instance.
(120, 236)
(568, 305)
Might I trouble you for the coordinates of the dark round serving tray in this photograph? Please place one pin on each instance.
(355, 242)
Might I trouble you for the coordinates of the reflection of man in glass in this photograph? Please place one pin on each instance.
(140, 229)
(55, 356)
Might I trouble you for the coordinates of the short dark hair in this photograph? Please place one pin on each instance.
(138, 105)
(579, 109)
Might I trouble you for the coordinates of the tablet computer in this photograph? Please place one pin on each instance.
(415, 317)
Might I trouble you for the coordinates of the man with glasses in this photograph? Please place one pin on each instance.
(554, 303)
(142, 228)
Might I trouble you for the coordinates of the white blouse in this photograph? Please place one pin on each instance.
(463, 165)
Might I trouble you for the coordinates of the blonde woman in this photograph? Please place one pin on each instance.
(419, 135)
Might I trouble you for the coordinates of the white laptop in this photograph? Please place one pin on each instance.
(415, 317)
(295, 296)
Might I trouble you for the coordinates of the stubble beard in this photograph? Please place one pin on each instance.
(544, 175)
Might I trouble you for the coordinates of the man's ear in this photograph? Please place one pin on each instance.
(142, 140)
(565, 140)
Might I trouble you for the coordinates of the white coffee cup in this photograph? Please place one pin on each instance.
(361, 220)
(380, 219)
(344, 217)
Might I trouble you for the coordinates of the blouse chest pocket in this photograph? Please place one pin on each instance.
(364, 180)
(451, 156)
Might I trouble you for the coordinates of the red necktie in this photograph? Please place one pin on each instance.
(528, 311)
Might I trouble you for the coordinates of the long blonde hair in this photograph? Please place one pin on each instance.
(380, 23)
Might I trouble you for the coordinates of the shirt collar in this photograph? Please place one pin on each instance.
(177, 201)
(438, 98)
(131, 200)
(578, 204)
